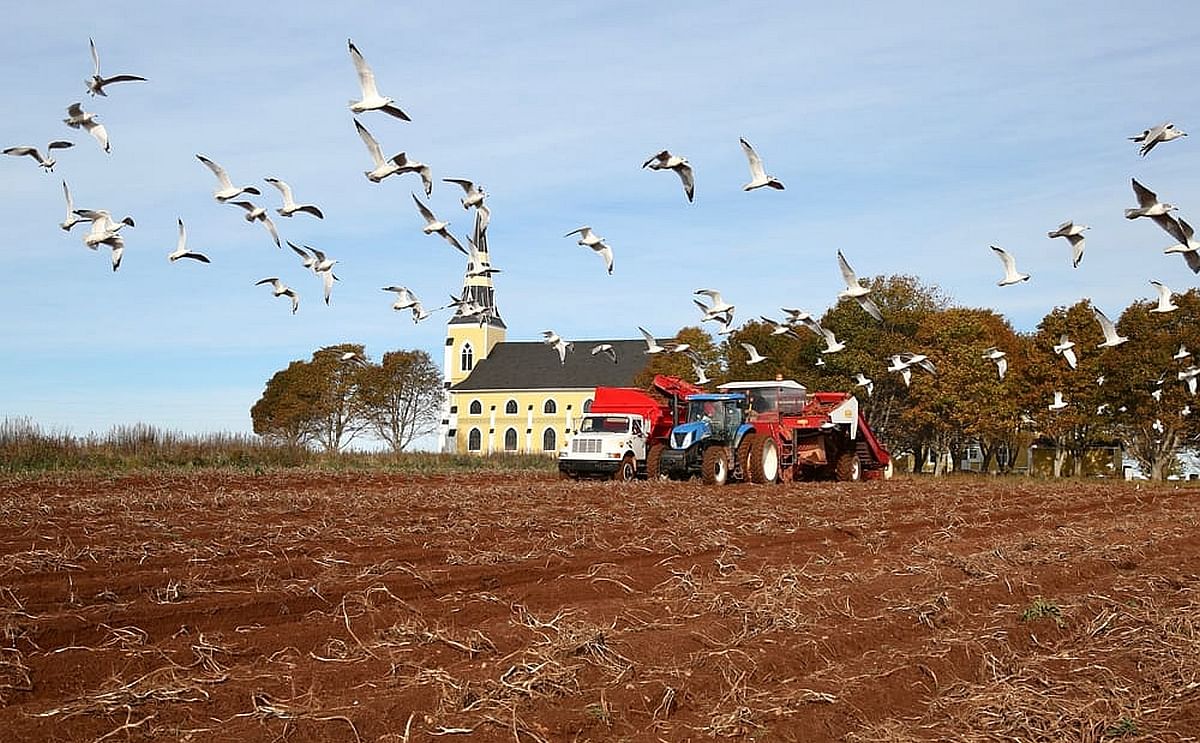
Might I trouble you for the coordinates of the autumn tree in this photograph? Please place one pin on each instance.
(313, 402)
(401, 397)
(284, 413)
(700, 346)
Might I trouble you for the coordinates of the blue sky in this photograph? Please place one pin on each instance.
(909, 136)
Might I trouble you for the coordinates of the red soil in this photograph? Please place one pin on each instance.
(331, 607)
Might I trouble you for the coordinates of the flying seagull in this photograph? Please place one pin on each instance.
(1011, 276)
(1150, 206)
(383, 168)
(1074, 234)
(1164, 298)
(95, 84)
(552, 339)
(718, 307)
(72, 218)
(651, 344)
(1164, 132)
(104, 230)
(226, 189)
(998, 357)
(413, 166)
(606, 349)
(758, 176)
(181, 250)
(290, 206)
(855, 290)
(47, 162)
(282, 290)
(755, 356)
(1111, 338)
(472, 195)
(371, 100)
(832, 344)
(1189, 375)
(406, 300)
(1058, 403)
(590, 239)
(862, 381)
(433, 226)
(666, 161)
(1182, 353)
(778, 328)
(253, 213)
(77, 118)
(1064, 348)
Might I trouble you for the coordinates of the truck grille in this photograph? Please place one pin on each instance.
(585, 446)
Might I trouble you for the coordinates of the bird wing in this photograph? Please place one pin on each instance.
(1010, 265)
(18, 151)
(70, 202)
(1192, 258)
(271, 228)
(369, 141)
(712, 294)
(366, 78)
(756, 165)
(1164, 294)
(660, 157)
(101, 134)
(426, 212)
(217, 170)
(122, 79)
(327, 278)
(1076, 242)
(848, 274)
(59, 144)
(95, 58)
(284, 189)
(1106, 326)
(872, 309)
(1145, 196)
(689, 180)
(650, 342)
(605, 253)
(75, 110)
(454, 242)
(181, 245)
(310, 209)
(1172, 227)
(582, 231)
(462, 182)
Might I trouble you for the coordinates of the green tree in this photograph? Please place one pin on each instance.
(313, 402)
(401, 398)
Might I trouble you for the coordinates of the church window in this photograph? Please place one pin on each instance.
(550, 408)
(476, 407)
(548, 440)
(474, 440)
(510, 440)
(467, 358)
(510, 408)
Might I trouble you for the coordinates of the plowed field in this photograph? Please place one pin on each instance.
(344, 607)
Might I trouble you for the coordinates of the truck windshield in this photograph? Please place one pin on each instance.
(605, 424)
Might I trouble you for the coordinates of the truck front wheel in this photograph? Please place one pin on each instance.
(764, 460)
(847, 468)
(654, 463)
(714, 467)
(627, 470)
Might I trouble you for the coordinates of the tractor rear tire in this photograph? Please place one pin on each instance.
(714, 467)
(847, 468)
(764, 460)
(741, 468)
(627, 470)
(654, 463)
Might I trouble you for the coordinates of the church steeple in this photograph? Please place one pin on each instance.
(478, 298)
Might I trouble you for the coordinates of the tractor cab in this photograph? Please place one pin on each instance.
(710, 417)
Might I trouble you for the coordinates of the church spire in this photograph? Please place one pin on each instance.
(478, 299)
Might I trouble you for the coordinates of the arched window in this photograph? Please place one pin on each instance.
(467, 358)
(476, 408)
(587, 406)
(510, 440)
(550, 408)
(474, 440)
(548, 440)
(510, 408)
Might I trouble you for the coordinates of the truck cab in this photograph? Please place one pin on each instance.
(608, 445)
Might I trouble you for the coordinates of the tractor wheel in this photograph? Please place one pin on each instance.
(764, 460)
(714, 467)
(847, 468)
(741, 466)
(654, 463)
(627, 470)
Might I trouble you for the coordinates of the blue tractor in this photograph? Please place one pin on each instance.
(707, 444)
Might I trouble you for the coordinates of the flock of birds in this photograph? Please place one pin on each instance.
(107, 231)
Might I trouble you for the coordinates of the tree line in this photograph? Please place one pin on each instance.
(339, 395)
(1136, 393)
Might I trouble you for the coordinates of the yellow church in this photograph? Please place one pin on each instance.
(516, 396)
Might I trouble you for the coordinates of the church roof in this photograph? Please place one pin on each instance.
(533, 365)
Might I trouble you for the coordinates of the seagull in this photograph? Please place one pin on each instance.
(778, 328)
(478, 264)
(795, 315)
(726, 324)
(820, 361)
(1058, 403)
(72, 218)
(1063, 348)
(1074, 234)
(718, 307)
(651, 344)
(677, 347)
(595, 242)
(1011, 276)
(996, 355)
(856, 291)
(254, 212)
(552, 339)
(95, 84)
(282, 290)
(322, 266)
(1149, 206)
(755, 357)
(371, 100)
(1189, 375)
(897, 365)
(227, 190)
(473, 195)
(1100, 380)
(1164, 298)
(406, 300)
(606, 349)
(1182, 353)
(77, 117)
(412, 166)
(1188, 245)
(832, 344)
(383, 168)
(290, 206)
(908, 358)
(433, 225)
(305, 257)
(861, 381)
(47, 162)
(758, 176)
(181, 250)
(1111, 338)
(701, 375)
(1164, 132)
(104, 230)
(666, 161)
